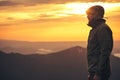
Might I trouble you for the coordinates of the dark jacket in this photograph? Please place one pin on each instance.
(100, 44)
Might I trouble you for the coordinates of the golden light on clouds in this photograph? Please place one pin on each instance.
(53, 22)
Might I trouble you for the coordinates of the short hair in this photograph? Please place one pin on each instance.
(97, 8)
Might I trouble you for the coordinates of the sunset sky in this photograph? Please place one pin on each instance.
(53, 20)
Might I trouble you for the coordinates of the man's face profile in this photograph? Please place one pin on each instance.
(92, 15)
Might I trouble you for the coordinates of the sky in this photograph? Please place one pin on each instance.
(53, 20)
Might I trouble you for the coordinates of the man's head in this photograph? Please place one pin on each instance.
(95, 12)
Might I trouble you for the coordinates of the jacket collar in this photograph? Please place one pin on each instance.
(94, 23)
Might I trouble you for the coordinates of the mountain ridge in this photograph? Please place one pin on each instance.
(28, 47)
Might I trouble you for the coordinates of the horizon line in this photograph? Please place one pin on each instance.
(45, 41)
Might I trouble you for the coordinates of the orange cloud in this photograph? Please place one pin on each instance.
(32, 2)
(8, 3)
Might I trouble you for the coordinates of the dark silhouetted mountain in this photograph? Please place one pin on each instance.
(115, 63)
(69, 64)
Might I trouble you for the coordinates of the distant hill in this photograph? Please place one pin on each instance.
(26, 47)
(68, 64)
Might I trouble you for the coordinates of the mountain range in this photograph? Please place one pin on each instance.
(68, 64)
(26, 47)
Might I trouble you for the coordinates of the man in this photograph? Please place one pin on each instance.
(100, 44)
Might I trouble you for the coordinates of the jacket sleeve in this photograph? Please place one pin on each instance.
(105, 42)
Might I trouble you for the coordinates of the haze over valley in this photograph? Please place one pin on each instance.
(26, 47)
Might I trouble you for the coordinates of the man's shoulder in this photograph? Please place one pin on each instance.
(103, 25)
(104, 28)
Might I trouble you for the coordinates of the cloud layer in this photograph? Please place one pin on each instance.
(15, 13)
(8, 3)
(15, 2)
